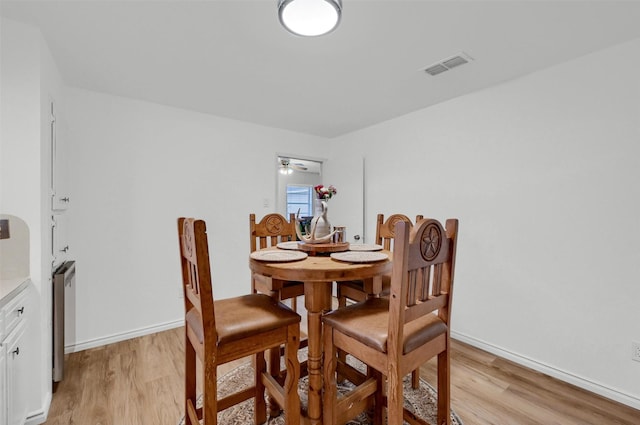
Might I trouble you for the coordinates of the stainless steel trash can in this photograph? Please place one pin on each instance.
(63, 277)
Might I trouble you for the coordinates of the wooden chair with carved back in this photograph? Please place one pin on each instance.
(271, 230)
(355, 291)
(221, 331)
(395, 335)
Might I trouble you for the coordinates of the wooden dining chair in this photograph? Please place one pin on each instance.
(385, 232)
(396, 335)
(221, 331)
(271, 230)
(355, 290)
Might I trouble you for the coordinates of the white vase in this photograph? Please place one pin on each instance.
(320, 225)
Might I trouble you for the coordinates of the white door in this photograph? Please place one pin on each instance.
(347, 208)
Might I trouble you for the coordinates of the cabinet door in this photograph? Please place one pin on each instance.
(3, 385)
(59, 240)
(59, 178)
(17, 372)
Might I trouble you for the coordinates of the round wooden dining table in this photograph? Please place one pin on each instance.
(318, 274)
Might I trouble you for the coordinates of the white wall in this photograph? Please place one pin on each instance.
(28, 78)
(135, 168)
(50, 91)
(20, 132)
(543, 174)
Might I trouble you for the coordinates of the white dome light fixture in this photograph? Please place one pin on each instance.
(309, 18)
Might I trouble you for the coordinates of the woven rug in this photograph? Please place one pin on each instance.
(421, 401)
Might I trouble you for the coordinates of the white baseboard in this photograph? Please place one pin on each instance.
(98, 342)
(578, 381)
(40, 416)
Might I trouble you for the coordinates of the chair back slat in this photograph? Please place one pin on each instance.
(437, 279)
(425, 284)
(421, 280)
(412, 284)
(194, 282)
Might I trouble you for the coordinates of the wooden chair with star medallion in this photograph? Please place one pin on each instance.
(271, 230)
(396, 334)
(354, 291)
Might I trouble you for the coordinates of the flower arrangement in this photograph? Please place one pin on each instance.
(325, 192)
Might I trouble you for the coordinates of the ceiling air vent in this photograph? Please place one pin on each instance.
(447, 64)
(436, 69)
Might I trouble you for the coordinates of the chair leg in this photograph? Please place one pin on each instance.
(415, 379)
(291, 396)
(342, 356)
(342, 300)
(395, 397)
(274, 365)
(274, 370)
(444, 388)
(210, 394)
(260, 412)
(189, 383)
(378, 407)
(329, 397)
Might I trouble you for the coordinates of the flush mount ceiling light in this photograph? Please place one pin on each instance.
(309, 18)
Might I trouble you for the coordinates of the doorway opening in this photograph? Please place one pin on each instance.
(297, 178)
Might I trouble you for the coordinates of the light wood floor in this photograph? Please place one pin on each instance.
(139, 382)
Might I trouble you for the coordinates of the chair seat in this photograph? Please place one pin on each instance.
(368, 322)
(243, 317)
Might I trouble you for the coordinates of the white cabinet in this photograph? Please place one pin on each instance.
(59, 240)
(14, 363)
(3, 385)
(17, 352)
(59, 178)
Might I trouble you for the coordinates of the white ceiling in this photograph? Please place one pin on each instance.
(232, 58)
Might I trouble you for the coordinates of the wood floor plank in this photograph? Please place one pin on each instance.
(489, 390)
(140, 382)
